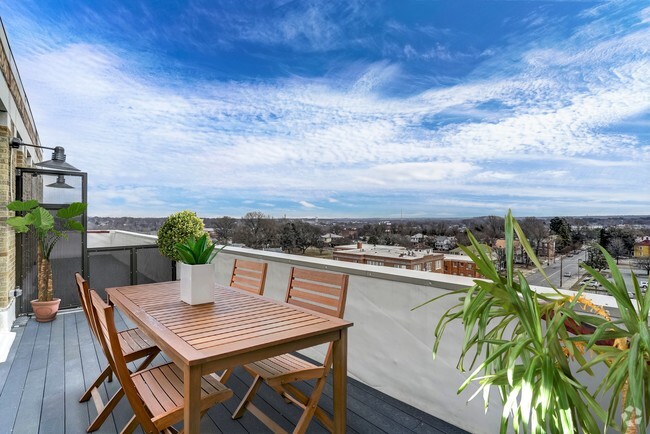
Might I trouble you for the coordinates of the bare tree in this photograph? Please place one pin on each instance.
(617, 248)
(493, 229)
(536, 231)
(225, 227)
(256, 230)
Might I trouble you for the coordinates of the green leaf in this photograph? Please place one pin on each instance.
(43, 219)
(19, 223)
(75, 226)
(20, 206)
(196, 252)
(75, 209)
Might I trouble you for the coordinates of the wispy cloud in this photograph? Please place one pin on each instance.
(525, 135)
(306, 204)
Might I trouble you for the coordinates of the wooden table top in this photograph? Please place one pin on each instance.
(236, 325)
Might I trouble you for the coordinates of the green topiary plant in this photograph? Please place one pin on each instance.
(178, 228)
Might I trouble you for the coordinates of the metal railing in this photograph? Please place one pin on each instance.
(127, 265)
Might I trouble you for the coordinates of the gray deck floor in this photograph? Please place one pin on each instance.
(50, 365)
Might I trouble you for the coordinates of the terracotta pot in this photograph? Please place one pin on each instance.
(45, 311)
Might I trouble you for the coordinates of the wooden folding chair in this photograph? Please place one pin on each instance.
(135, 345)
(249, 276)
(155, 394)
(319, 291)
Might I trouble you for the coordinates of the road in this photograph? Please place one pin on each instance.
(567, 264)
(555, 271)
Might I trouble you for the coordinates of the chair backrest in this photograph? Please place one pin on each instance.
(86, 303)
(105, 325)
(249, 276)
(321, 291)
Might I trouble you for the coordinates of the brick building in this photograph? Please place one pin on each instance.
(390, 256)
(15, 121)
(460, 265)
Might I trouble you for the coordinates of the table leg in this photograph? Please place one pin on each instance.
(340, 380)
(192, 394)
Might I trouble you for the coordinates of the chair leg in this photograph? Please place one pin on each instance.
(257, 382)
(147, 361)
(310, 407)
(131, 426)
(103, 412)
(295, 396)
(107, 372)
(225, 376)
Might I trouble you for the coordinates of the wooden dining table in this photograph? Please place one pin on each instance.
(237, 328)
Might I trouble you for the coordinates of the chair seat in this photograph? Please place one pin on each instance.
(135, 344)
(284, 369)
(161, 390)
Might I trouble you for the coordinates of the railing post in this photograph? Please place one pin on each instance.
(134, 266)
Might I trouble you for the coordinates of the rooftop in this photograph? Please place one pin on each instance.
(384, 251)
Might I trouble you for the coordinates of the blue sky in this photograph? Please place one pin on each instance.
(344, 108)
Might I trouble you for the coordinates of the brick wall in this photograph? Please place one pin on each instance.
(7, 236)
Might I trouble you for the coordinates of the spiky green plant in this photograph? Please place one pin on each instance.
(628, 361)
(516, 340)
(197, 252)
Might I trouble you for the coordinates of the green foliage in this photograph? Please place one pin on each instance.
(178, 228)
(519, 341)
(509, 346)
(628, 363)
(197, 252)
(43, 222)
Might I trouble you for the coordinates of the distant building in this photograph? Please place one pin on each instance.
(642, 249)
(445, 243)
(328, 238)
(460, 265)
(546, 249)
(417, 238)
(390, 256)
(459, 251)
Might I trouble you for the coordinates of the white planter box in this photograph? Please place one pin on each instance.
(197, 283)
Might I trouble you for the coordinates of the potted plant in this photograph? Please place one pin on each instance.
(197, 271)
(48, 233)
(521, 343)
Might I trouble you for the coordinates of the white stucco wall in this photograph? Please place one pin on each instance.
(389, 345)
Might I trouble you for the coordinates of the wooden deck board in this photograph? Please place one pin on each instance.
(15, 384)
(39, 391)
(76, 415)
(53, 409)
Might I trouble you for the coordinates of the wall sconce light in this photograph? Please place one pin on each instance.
(60, 183)
(58, 157)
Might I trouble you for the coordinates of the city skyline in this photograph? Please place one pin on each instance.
(344, 109)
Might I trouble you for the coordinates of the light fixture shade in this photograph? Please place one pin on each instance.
(60, 183)
(58, 161)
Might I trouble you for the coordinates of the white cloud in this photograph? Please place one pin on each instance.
(306, 204)
(145, 139)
